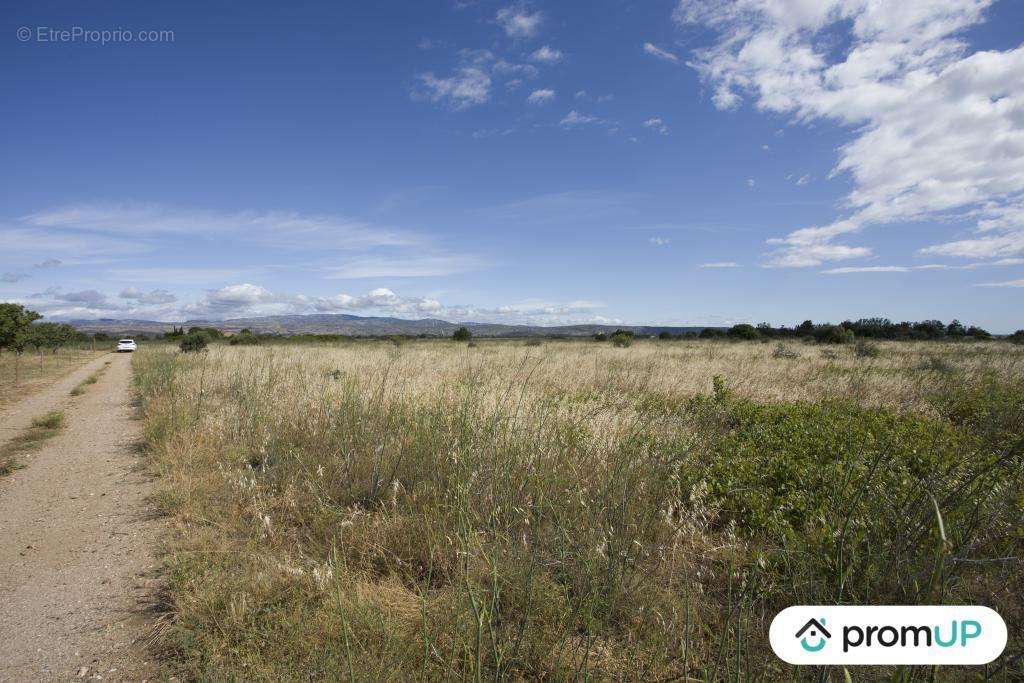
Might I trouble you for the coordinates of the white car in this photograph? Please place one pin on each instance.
(128, 345)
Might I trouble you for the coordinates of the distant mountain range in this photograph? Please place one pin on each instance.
(361, 326)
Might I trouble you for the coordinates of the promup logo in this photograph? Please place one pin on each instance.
(817, 630)
(888, 635)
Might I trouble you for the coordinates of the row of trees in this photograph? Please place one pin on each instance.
(19, 330)
(846, 331)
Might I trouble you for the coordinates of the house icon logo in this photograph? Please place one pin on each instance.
(817, 633)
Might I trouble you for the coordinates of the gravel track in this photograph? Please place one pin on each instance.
(77, 537)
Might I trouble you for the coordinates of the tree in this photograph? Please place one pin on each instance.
(462, 334)
(712, 333)
(743, 331)
(621, 339)
(193, 342)
(804, 329)
(14, 322)
(664, 335)
(978, 333)
(833, 334)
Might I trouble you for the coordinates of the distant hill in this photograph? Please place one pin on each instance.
(361, 326)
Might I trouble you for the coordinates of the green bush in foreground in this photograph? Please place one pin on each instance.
(193, 342)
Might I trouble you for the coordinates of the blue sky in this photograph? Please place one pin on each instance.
(640, 162)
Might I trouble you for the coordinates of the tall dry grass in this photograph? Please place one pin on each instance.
(433, 511)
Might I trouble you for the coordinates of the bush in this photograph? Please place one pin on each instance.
(462, 334)
(532, 342)
(244, 338)
(743, 331)
(1017, 337)
(193, 342)
(622, 340)
(711, 333)
(833, 334)
(865, 349)
(664, 335)
(782, 351)
(600, 336)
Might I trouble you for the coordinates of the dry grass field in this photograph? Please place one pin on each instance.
(20, 376)
(574, 510)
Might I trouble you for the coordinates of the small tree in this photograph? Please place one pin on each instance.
(244, 338)
(14, 322)
(664, 335)
(743, 331)
(462, 334)
(621, 339)
(193, 342)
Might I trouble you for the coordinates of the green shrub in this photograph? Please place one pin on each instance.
(783, 351)
(622, 340)
(865, 349)
(193, 342)
(833, 334)
(600, 336)
(743, 331)
(244, 338)
(462, 334)
(51, 420)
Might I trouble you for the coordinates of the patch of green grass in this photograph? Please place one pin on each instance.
(51, 420)
(91, 379)
(43, 427)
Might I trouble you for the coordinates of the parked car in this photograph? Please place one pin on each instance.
(126, 345)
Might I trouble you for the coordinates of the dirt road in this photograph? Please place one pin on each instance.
(76, 538)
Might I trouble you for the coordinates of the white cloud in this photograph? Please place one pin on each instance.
(419, 265)
(1010, 283)
(138, 221)
(938, 132)
(751, 182)
(720, 264)
(803, 180)
(657, 125)
(574, 118)
(468, 87)
(867, 269)
(518, 22)
(654, 50)
(546, 55)
(541, 96)
(13, 277)
(815, 255)
(155, 296)
(660, 241)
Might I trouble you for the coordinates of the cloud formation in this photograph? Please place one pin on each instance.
(657, 125)
(655, 51)
(248, 299)
(939, 132)
(546, 55)
(541, 96)
(467, 87)
(518, 22)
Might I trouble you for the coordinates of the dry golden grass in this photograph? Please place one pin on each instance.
(22, 376)
(432, 510)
